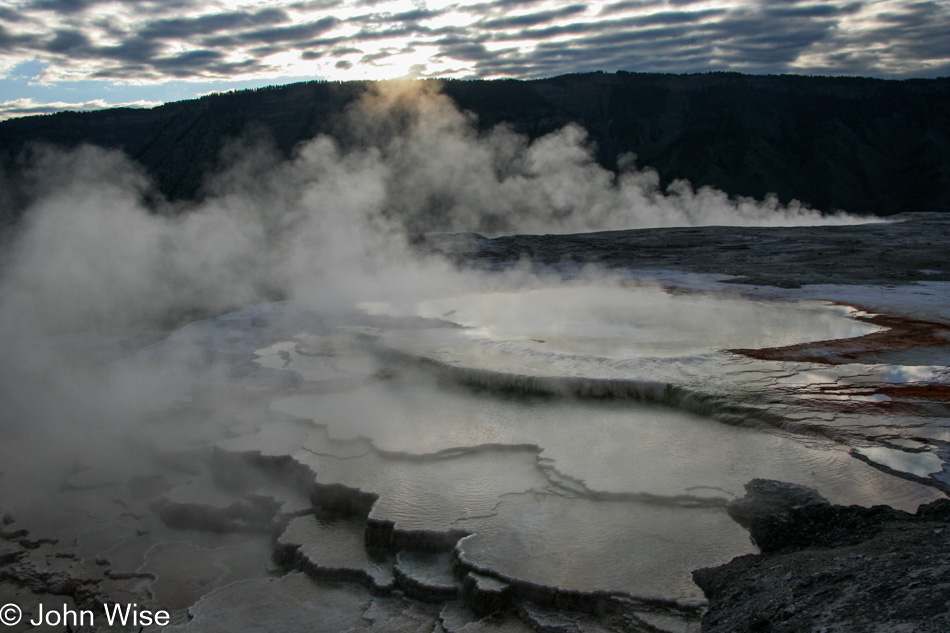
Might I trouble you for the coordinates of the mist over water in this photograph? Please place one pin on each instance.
(327, 225)
(101, 277)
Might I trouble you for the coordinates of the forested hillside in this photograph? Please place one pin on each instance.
(862, 145)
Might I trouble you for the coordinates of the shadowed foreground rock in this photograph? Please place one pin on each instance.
(832, 568)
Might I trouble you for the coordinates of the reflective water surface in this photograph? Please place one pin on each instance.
(615, 494)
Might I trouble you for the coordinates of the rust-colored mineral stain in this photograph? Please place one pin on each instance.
(916, 391)
(901, 333)
(905, 399)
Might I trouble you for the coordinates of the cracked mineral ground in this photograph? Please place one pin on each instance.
(552, 450)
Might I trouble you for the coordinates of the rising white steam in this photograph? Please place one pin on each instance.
(441, 174)
(328, 223)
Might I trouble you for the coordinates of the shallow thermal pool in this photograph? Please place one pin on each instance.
(608, 446)
(584, 495)
(580, 493)
(620, 322)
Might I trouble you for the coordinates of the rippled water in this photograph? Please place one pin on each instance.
(608, 446)
(586, 494)
(645, 550)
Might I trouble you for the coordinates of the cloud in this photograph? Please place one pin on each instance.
(12, 41)
(191, 59)
(67, 40)
(373, 57)
(294, 36)
(468, 51)
(405, 17)
(627, 5)
(212, 23)
(814, 11)
(314, 5)
(532, 19)
(134, 49)
(28, 107)
(79, 6)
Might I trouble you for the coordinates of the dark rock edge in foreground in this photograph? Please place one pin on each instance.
(830, 568)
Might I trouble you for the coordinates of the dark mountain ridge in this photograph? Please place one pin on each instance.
(866, 146)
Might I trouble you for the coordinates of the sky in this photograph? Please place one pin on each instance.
(90, 54)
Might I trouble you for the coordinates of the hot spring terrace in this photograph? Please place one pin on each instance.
(556, 448)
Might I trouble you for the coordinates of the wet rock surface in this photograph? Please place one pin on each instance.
(900, 251)
(833, 568)
(766, 499)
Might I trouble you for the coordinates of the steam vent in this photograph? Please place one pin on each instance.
(542, 433)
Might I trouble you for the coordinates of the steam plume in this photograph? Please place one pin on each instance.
(328, 226)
